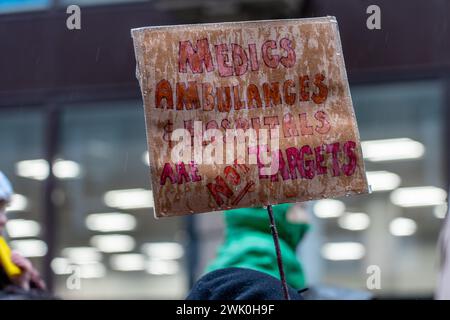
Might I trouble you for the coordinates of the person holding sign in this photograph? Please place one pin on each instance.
(249, 244)
(214, 86)
(16, 271)
(245, 267)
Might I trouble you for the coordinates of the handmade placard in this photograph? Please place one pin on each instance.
(247, 114)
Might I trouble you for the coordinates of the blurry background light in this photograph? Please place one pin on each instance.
(383, 180)
(129, 199)
(18, 203)
(30, 247)
(163, 250)
(113, 242)
(127, 262)
(36, 169)
(90, 270)
(145, 158)
(163, 267)
(110, 222)
(66, 169)
(329, 208)
(354, 221)
(343, 251)
(418, 196)
(82, 255)
(402, 227)
(440, 211)
(21, 228)
(392, 149)
(60, 265)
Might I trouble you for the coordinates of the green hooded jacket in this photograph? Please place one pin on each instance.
(249, 243)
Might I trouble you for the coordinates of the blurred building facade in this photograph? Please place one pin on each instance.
(69, 98)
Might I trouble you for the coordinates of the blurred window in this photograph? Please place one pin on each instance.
(395, 229)
(397, 226)
(21, 160)
(107, 233)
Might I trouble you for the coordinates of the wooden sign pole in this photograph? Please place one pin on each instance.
(273, 229)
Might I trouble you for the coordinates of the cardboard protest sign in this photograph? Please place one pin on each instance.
(247, 114)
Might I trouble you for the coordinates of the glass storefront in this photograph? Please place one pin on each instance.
(394, 230)
(107, 226)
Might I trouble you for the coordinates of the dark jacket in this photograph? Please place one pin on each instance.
(239, 284)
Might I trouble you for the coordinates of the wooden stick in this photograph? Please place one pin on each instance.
(273, 228)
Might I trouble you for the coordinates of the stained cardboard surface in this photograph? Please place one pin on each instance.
(295, 67)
